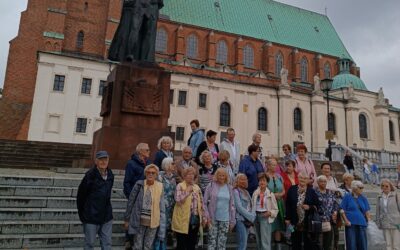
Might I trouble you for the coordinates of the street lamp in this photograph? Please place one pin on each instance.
(326, 86)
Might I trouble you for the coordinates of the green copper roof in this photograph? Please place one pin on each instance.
(262, 19)
(343, 81)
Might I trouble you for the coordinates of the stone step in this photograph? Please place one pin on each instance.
(48, 202)
(46, 241)
(25, 214)
(49, 227)
(56, 181)
(39, 191)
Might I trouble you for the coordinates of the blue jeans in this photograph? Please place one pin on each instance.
(241, 235)
(104, 231)
(356, 237)
(367, 178)
(263, 232)
(160, 245)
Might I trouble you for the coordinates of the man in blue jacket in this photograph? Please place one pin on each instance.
(196, 137)
(134, 170)
(94, 203)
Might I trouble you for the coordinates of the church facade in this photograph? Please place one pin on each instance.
(251, 65)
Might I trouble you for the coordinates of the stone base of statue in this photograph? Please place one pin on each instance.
(135, 108)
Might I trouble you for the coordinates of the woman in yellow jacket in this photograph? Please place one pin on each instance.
(188, 211)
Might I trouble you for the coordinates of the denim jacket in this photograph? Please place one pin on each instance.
(242, 205)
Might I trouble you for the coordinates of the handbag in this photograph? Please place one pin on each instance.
(314, 222)
(326, 226)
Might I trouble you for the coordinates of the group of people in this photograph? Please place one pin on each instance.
(213, 188)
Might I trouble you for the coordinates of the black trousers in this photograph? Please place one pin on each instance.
(305, 240)
(188, 241)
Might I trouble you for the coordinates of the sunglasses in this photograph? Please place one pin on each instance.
(361, 187)
(385, 186)
(151, 173)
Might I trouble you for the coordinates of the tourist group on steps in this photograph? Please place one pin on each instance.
(212, 190)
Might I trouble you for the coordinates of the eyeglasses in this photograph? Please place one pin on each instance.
(151, 173)
(385, 186)
(146, 149)
(361, 187)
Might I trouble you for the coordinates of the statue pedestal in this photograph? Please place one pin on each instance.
(135, 108)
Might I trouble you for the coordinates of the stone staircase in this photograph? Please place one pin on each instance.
(43, 155)
(38, 209)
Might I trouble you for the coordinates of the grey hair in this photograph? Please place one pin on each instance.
(165, 139)
(356, 184)
(141, 146)
(255, 135)
(385, 180)
(166, 163)
(187, 148)
(303, 174)
(321, 178)
(205, 152)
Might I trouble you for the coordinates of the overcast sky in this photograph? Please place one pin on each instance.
(370, 30)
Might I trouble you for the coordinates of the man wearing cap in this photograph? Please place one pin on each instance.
(94, 203)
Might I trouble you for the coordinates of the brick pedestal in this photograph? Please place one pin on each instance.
(135, 108)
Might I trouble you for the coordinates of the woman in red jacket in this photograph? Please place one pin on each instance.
(290, 176)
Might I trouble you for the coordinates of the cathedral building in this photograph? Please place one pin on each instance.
(254, 65)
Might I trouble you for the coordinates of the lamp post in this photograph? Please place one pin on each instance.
(326, 86)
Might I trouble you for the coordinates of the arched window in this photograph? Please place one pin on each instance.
(248, 56)
(225, 115)
(278, 64)
(161, 40)
(79, 39)
(362, 122)
(327, 70)
(391, 131)
(222, 52)
(332, 123)
(297, 119)
(191, 46)
(262, 119)
(304, 70)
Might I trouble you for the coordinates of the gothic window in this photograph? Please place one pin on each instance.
(222, 52)
(262, 119)
(79, 40)
(391, 131)
(248, 56)
(304, 70)
(332, 123)
(191, 46)
(278, 64)
(327, 70)
(297, 119)
(161, 40)
(225, 115)
(362, 122)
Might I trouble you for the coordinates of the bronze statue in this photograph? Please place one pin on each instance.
(135, 37)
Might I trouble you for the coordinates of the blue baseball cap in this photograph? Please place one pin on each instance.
(101, 154)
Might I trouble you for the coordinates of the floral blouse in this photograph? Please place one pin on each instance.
(169, 185)
(328, 204)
